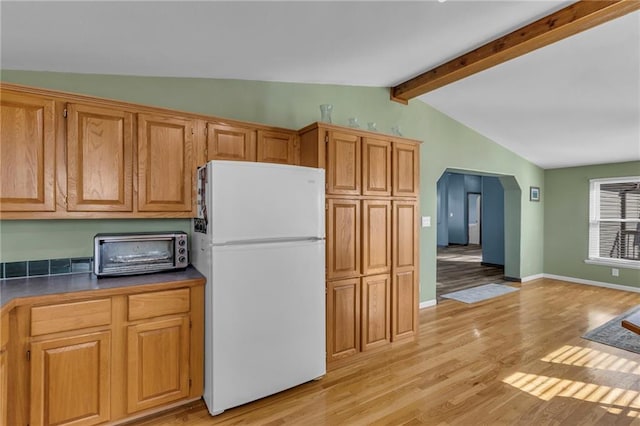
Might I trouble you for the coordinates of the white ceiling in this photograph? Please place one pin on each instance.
(575, 102)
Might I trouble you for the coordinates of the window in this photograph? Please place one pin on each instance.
(614, 222)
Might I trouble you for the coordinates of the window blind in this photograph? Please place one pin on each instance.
(615, 219)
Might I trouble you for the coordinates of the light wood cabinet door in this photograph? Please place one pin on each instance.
(343, 164)
(343, 238)
(165, 164)
(376, 167)
(404, 305)
(99, 159)
(404, 290)
(405, 235)
(343, 318)
(406, 169)
(70, 380)
(276, 147)
(376, 311)
(158, 363)
(376, 237)
(27, 153)
(230, 143)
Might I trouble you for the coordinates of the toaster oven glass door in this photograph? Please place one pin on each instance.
(123, 256)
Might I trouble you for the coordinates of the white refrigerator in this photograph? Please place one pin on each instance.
(259, 241)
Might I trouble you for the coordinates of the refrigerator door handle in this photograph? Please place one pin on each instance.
(267, 241)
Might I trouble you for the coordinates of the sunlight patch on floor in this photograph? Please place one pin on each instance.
(614, 400)
(592, 358)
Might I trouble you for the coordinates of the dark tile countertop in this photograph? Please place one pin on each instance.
(18, 288)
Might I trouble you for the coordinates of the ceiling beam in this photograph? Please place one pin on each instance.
(564, 23)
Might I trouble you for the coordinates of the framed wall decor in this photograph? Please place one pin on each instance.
(534, 193)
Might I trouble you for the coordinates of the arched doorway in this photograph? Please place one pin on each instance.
(478, 220)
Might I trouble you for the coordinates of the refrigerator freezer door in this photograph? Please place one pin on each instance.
(266, 332)
(261, 201)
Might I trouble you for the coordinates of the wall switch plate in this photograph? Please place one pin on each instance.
(426, 221)
(615, 272)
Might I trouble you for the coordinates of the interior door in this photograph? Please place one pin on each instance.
(473, 215)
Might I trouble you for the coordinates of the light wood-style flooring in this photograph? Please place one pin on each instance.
(459, 267)
(514, 360)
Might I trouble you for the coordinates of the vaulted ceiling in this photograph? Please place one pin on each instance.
(574, 102)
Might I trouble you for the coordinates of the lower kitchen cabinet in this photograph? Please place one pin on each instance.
(88, 361)
(343, 318)
(376, 302)
(404, 308)
(70, 380)
(158, 363)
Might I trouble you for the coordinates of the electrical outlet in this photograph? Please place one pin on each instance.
(615, 272)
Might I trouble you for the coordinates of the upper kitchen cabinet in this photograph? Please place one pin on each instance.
(343, 163)
(362, 163)
(165, 164)
(276, 147)
(27, 153)
(226, 142)
(406, 169)
(376, 167)
(99, 159)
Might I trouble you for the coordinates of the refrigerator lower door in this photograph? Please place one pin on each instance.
(265, 330)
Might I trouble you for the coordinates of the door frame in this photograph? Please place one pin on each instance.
(466, 216)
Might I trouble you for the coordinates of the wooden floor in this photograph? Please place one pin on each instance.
(514, 360)
(459, 267)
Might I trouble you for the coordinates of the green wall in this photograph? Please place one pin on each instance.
(566, 232)
(446, 144)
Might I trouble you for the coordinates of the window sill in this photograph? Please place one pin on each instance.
(624, 264)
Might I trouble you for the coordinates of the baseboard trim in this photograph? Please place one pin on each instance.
(532, 277)
(593, 283)
(428, 303)
(512, 279)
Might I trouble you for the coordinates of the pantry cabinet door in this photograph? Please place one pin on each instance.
(376, 311)
(376, 167)
(343, 238)
(165, 164)
(406, 169)
(343, 164)
(376, 237)
(27, 153)
(343, 318)
(99, 159)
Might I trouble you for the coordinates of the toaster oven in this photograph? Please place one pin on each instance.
(139, 253)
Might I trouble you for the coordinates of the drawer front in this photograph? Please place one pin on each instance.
(70, 316)
(158, 303)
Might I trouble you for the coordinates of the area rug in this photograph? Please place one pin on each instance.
(478, 294)
(612, 333)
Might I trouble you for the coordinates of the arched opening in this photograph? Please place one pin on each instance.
(478, 230)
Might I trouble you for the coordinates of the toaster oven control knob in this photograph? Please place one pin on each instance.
(181, 250)
(182, 259)
(181, 242)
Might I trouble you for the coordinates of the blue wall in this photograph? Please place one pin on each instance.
(452, 213)
(492, 221)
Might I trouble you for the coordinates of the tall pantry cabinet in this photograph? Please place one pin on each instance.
(372, 235)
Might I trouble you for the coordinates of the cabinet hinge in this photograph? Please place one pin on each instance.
(190, 324)
(326, 138)
(28, 355)
(206, 131)
(192, 131)
(64, 113)
(190, 382)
